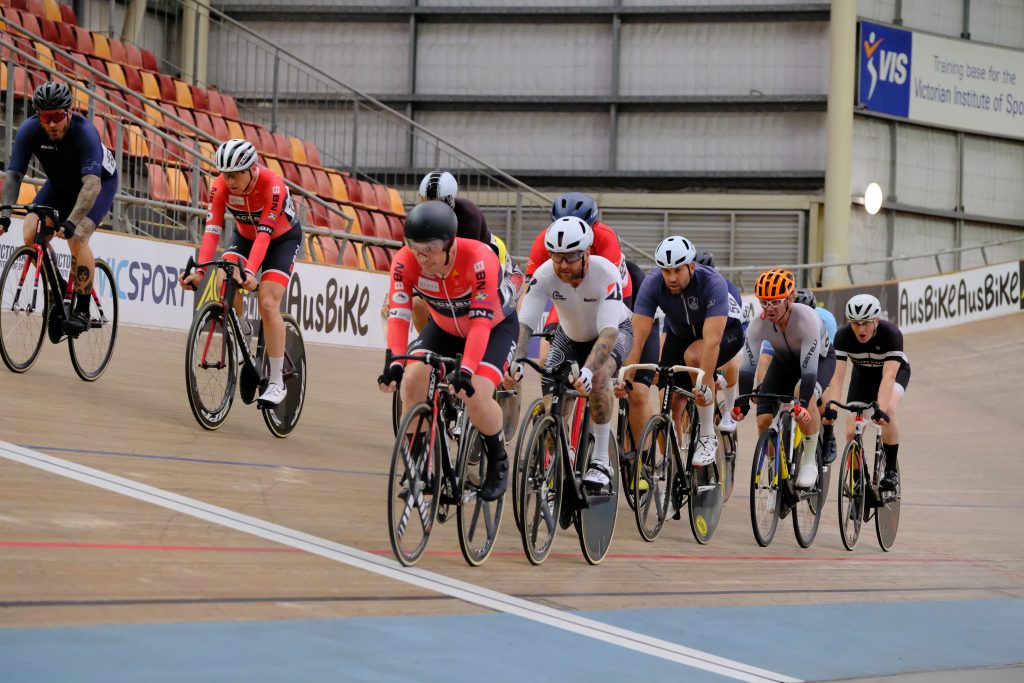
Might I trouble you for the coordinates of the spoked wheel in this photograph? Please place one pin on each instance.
(807, 513)
(540, 490)
(654, 474)
(282, 418)
(413, 486)
(626, 445)
(707, 495)
(730, 444)
(851, 495)
(24, 304)
(765, 497)
(478, 519)
(530, 418)
(210, 367)
(887, 514)
(92, 349)
(595, 523)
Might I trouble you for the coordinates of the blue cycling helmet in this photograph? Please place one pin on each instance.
(577, 205)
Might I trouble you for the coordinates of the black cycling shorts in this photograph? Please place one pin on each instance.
(501, 346)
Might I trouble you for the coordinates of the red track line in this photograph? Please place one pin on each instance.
(721, 558)
(134, 546)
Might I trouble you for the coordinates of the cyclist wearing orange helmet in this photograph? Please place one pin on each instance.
(802, 352)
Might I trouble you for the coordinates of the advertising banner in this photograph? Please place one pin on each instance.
(957, 298)
(943, 81)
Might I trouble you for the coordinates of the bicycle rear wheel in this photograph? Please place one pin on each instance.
(282, 418)
(764, 489)
(540, 490)
(851, 495)
(595, 523)
(530, 418)
(730, 443)
(653, 474)
(24, 305)
(414, 483)
(396, 410)
(211, 368)
(887, 514)
(478, 519)
(707, 495)
(807, 513)
(92, 349)
(626, 445)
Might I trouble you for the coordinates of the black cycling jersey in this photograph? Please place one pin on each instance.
(887, 344)
(472, 224)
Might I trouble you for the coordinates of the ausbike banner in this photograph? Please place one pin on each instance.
(337, 305)
(958, 84)
(967, 296)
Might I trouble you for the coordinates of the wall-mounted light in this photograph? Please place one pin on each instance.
(873, 198)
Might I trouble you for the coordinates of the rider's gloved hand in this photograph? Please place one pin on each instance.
(585, 380)
(515, 370)
(463, 381)
(392, 373)
(704, 391)
(829, 414)
(67, 229)
(880, 416)
(742, 406)
(5, 222)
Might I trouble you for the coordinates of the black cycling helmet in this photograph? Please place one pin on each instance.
(577, 205)
(51, 95)
(431, 220)
(705, 258)
(805, 297)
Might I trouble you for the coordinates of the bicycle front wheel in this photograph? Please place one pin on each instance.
(530, 418)
(413, 486)
(807, 513)
(92, 349)
(282, 418)
(653, 476)
(540, 490)
(851, 495)
(24, 305)
(211, 369)
(764, 489)
(887, 514)
(478, 519)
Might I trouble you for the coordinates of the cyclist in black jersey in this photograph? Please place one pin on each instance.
(881, 371)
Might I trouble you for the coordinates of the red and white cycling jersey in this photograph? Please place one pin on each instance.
(261, 214)
(465, 303)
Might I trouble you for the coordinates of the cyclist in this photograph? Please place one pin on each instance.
(81, 181)
(267, 237)
(458, 278)
(594, 325)
(702, 326)
(802, 353)
(881, 372)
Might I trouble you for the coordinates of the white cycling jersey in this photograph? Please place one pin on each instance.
(583, 311)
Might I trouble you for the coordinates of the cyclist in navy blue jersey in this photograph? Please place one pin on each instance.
(81, 181)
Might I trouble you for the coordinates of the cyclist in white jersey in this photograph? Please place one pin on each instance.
(594, 327)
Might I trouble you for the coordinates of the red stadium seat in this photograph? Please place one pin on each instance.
(149, 60)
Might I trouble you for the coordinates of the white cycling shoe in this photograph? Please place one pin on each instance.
(707, 449)
(273, 395)
(727, 423)
(808, 475)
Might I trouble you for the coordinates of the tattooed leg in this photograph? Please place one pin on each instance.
(83, 263)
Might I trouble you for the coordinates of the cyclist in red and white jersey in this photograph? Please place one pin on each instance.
(458, 279)
(267, 237)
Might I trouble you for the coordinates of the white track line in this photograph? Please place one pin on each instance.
(461, 590)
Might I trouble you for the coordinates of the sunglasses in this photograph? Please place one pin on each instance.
(772, 303)
(431, 247)
(571, 257)
(53, 117)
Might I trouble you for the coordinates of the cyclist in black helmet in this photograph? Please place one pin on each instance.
(81, 181)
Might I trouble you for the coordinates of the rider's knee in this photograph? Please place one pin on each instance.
(638, 395)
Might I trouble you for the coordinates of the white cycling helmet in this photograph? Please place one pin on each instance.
(568, 234)
(674, 252)
(863, 307)
(439, 185)
(235, 155)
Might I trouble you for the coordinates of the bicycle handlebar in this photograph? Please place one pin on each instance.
(859, 408)
(430, 358)
(698, 374)
(573, 366)
(227, 266)
(38, 209)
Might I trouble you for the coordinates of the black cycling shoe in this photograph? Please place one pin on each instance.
(496, 480)
(76, 323)
(890, 482)
(830, 452)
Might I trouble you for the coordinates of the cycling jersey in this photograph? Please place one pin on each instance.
(584, 311)
(707, 296)
(465, 303)
(827, 319)
(803, 343)
(869, 358)
(262, 214)
(79, 153)
(472, 224)
(606, 244)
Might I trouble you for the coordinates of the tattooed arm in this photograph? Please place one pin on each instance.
(603, 347)
(86, 198)
(12, 184)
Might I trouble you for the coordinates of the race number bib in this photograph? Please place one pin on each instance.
(109, 165)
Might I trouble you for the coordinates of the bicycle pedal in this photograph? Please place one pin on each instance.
(677, 514)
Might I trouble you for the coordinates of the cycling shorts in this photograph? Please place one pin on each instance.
(674, 351)
(563, 349)
(501, 346)
(864, 385)
(782, 378)
(64, 202)
(280, 259)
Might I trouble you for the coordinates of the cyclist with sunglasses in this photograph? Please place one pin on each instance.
(801, 353)
(459, 279)
(81, 181)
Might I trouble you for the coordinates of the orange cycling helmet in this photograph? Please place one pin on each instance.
(774, 284)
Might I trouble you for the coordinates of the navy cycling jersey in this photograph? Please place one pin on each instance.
(79, 153)
(707, 296)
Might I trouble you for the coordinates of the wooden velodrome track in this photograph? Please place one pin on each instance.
(72, 554)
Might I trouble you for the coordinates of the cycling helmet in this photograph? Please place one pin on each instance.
(439, 185)
(805, 297)
(575, 204)
(705, 258)
(235, 155)
(568, 234)
(51, 95)
(674, 252)
(774, 284)
(863, 307)
(431, 220)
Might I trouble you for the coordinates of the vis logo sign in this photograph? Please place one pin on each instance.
(884, 74)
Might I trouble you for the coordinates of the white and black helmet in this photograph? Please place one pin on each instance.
(674, 251)
(568, 234)
(235, 155)
(863, 307)
(439, 185)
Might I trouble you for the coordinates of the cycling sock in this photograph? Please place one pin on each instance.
(890, 450)
(494, 446)
(602, 435)
(707, 419)
(276, 366)
(810, 446)
(730, 396)
(82, 302)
